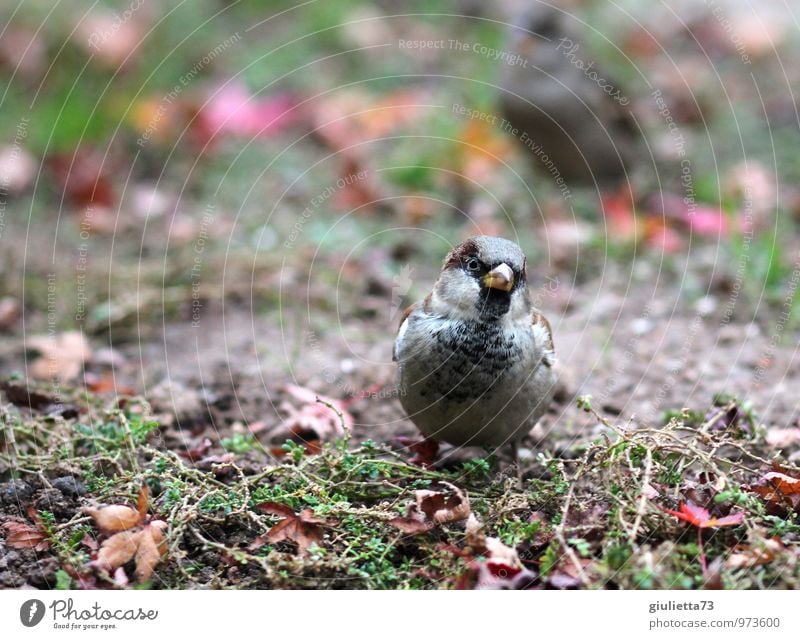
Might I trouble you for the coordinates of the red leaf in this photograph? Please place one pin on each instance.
(701, 518)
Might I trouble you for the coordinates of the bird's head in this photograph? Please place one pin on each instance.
(483, 279)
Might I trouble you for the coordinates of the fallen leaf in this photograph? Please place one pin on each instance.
(413, 523)
(566, 575)
(319, 417)
(118, 550)
(197, 452)
(134, 538)
(754, 555)
(23, 535)
(783, 437)
(701, 518)
(62, 356)
(432, 508)
(304, 529)
(495, 566)
(783, 483)
(115, 518)
(441, 508)
(151, 549)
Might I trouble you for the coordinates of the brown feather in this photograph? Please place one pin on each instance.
(537, 318)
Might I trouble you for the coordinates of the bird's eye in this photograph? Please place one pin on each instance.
(473, 264)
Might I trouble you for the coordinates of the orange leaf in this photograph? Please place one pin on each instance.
(151, 549)
(142, 501)
(701, 518)
(118, 550)
(785, 484)
(114, 518)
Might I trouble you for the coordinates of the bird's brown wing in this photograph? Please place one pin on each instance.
(540, 321)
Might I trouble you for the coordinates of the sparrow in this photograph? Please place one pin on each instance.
(573, 121)
(475, 360)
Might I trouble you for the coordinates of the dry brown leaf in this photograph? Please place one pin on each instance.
(441, 508)
(779, 491)
(304, 529)
(754, 555)
(784, 483)
(142, 500)
(118, 549)
(113, 518)
(318, 418)
(22, 535)
(62, 357)
(434, 507)
(414, 523)
(151, 549)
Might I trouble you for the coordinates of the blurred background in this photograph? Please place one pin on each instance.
(204, 201)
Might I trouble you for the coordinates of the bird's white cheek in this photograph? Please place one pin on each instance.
(455, 294)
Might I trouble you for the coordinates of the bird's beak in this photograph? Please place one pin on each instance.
(501, 277)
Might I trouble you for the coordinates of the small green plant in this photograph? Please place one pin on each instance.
(239, 443)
